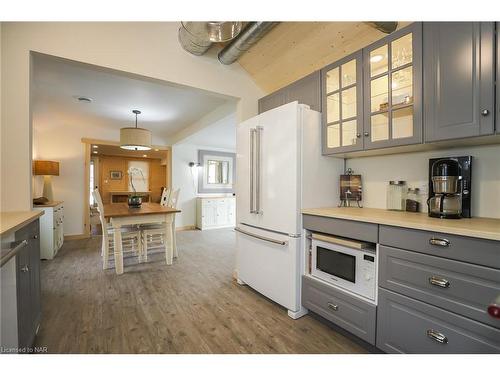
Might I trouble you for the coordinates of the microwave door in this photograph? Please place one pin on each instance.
(337, 264)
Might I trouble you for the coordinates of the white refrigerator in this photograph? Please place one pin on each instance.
(279, 171)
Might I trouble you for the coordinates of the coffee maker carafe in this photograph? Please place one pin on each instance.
(449, 187)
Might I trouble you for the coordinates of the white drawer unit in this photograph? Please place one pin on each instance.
(212, 213)
(51, 229)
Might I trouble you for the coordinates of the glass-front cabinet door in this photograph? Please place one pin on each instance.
(392, 69)
(343, 105)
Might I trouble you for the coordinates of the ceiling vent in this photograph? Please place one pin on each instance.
(198, 37)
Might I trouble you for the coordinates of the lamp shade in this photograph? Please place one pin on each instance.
(135, 139)
(45, 168)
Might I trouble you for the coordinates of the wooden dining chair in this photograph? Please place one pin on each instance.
(154, 235)
(131, 239)
(165, 196)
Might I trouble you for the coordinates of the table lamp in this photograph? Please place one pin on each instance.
(47, 169)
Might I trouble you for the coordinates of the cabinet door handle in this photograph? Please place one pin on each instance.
(440, 242)
(366, 134)
(358, 135)
(333, 307)
(438, 281)
(437, 336)
(25, 268)
(485, 112)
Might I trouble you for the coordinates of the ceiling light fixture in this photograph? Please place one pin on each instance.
(95, 146)
(95, 152)
(144, 156)
(376, 58)
(135, 138)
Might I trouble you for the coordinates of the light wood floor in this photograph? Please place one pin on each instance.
(193, 306)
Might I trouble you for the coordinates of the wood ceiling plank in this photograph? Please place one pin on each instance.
(292, 50)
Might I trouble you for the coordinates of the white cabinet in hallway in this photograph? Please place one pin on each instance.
(51, 229)
(212, 213)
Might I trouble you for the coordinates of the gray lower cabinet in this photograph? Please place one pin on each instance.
(28, 284)
(356, 230)
(458, 79)
(306, 90)
(352, 314)
(466, 249)
(462, 288)
(405, 325)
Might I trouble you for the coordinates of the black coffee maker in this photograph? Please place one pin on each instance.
(450, 187)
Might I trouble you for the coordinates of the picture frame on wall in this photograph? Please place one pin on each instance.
(115, 175)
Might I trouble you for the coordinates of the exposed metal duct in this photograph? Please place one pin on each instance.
(385, 27)
(197, 37)
(248, 37)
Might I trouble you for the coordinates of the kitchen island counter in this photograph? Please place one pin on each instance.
(484, 228)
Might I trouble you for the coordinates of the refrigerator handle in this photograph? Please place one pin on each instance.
(258, 147)
(277, 242)
(252, 170)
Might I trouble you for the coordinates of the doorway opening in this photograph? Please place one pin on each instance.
(107, 170)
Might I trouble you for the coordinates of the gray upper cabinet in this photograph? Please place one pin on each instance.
(343, 105)
(497, 117)
(276, 99)
(392, 78)
(458, 79)
(306, 90)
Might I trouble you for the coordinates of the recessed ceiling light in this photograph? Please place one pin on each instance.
(157, 149)
(144, 156)
(95, 152)
(84, 99)
(376, 58)
(95, 146)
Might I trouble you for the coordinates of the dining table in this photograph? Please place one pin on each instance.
(120, 214)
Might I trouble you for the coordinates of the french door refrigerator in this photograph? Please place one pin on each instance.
(279, 171)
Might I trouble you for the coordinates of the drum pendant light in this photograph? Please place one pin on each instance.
(135, 138)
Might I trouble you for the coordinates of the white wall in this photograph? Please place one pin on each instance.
(376, 171)
(182, 178)
(149, 49)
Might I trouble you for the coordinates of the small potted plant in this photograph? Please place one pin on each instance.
(134, 200)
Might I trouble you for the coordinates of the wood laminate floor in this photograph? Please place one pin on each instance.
(193, 306)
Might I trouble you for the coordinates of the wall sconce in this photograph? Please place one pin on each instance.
(192, 164)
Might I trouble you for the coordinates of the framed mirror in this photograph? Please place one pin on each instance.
(216, 172)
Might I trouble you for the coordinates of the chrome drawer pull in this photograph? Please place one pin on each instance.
(439, 242)
(333, 307)
(25, 268)
(437, 336)
(438, 281)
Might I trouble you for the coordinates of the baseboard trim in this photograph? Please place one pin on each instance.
(76, 236)
(187, 227)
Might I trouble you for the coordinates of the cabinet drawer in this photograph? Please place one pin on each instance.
(462, 288)
(405, 325)
(350, 313)
(467, 249)
(344, 228)
(29, 231)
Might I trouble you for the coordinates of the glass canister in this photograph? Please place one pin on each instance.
(396, 195)
(413, 200)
